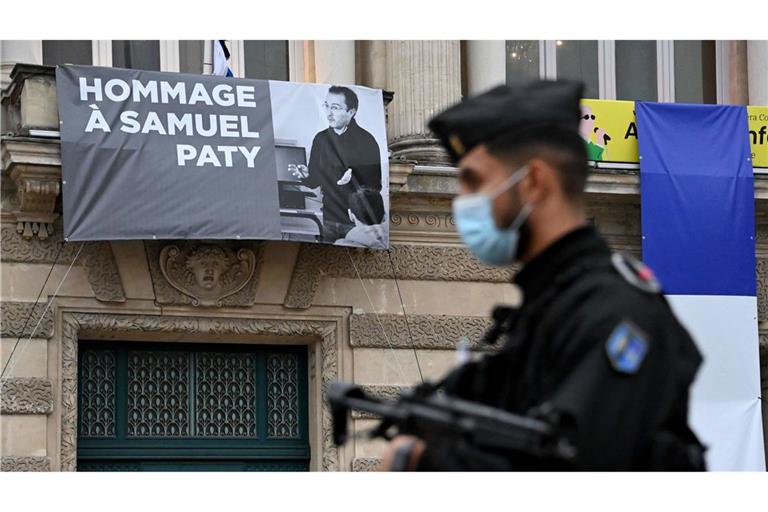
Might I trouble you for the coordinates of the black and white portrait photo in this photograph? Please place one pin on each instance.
(331, 162)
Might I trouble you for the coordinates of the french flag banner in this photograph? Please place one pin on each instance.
(698, 223)
(221, 58)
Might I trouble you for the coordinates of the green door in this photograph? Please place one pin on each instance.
(192, 407)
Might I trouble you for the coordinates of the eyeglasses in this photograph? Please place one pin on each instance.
(333, 108)
(588, 116)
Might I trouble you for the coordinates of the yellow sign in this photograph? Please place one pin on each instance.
(610, 130)
(758, 135)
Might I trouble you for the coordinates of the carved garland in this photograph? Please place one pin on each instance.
(25, 319)
(361, 464)
(25, 464)
(429, 331)
(325, 330)
(382, 392)
(26, 395)
(761, 269)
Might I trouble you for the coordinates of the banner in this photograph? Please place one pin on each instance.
(609, 129)
(151, 155)
(697, 208)
(758, 135)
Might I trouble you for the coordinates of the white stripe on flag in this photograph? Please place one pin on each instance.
(220, 62)
(725, 406)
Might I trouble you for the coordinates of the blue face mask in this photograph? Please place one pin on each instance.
(473, 214)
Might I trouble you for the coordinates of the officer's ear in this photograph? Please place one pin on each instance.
(539, 181)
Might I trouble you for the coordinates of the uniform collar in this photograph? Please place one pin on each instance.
(580, 245)
(352, 126)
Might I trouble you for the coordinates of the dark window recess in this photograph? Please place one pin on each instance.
(67, 52)
(134, 54)
(522, 61)
(695, 72)
(185, 407)
(191, 56)
(267, 60)
(577, 60)
(636, 77)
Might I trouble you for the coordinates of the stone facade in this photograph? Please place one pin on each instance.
(343, 304)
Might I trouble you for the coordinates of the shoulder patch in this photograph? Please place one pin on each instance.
(636, 273)
(626, 348)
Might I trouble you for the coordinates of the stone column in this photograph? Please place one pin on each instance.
(486, 65)
(371, 63)
(425, 77)
(757, 69)
(296, 61)
(13, 52)
(333, 62)
(738, 87)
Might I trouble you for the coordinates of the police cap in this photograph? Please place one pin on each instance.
(508, 109)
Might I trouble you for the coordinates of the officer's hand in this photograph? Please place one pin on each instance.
(345, 179)
(416, 450)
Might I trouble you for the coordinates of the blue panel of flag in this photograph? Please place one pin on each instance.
(697, 198)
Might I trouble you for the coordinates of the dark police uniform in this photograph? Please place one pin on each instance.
(593, 342)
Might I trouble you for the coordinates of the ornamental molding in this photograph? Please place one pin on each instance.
(96, 258)
(386, 392)
(34, 168)
(364, 464)
(14, 248)
(761, 270)
(436, 332)
(207, 274)
(26, 395)
(25, 464)
(325, 331)
(101, 269)
(18, 319)
(415, 262)
(423, 227)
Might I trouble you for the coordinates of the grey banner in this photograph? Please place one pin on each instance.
(166, 155)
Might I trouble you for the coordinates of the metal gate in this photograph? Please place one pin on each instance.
(192, 407)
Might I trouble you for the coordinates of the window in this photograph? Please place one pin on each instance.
(681, 71)
(636, 70)
(191, 56)
(522, 61)
(67, 52)
(191, 406)
(136, 54)
(695, 72)
(578, 60)
(267, 60)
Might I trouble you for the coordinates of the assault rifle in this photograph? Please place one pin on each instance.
(427, 414)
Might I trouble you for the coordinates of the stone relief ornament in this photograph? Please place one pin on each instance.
(207, 273)
(26, 395)
(25, 464)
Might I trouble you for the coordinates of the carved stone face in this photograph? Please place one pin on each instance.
(206, 264)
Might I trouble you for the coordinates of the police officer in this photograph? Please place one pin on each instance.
(594, 342)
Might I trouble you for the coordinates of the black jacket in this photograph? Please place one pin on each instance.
(329, 159)
(558, 350)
